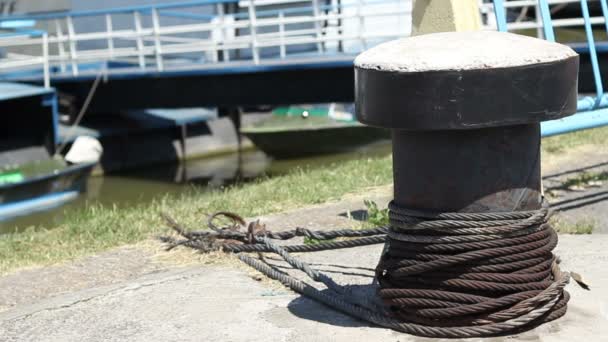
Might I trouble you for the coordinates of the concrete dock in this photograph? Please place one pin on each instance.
(141, 293)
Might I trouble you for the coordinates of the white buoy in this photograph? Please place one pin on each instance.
(84, 150)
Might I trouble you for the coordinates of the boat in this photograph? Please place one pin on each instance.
(40, 185)
(34, 175)
(304, 130)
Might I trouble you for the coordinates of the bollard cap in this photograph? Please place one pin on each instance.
(465, 80)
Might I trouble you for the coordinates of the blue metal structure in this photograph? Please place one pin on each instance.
(32, 117)
(199, 53)
(30, 135)
(245, 56)
(593, 110)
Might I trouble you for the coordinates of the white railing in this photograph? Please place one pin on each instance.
(35, 60)
(525, 15)
(181, 35)
(163, 36)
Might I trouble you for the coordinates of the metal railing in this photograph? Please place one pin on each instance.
(24, 62)
(160, 36)
(592, 108)
(524, 14)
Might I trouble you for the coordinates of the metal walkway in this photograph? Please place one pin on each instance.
(217, 46)
(247, 52)
(161, 37)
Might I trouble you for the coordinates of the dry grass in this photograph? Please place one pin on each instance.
(582, 226)
(99, 228)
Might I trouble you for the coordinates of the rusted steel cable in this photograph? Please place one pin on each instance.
(503, 271)
(440, 274)
(232, 239)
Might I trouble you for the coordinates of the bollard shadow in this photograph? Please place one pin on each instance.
(348, 267)
(574, 199)
(309, 309)
(580, 201)
(357, 215)
(324, 270)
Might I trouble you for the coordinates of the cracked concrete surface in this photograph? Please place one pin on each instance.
(126, 295)
(215, 303)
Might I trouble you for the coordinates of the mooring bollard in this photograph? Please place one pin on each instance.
(464, 108)
(469, 243)
(468, 252)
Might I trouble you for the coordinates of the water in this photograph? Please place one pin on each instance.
(146, 184)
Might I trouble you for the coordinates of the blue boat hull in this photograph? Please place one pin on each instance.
(43, 192)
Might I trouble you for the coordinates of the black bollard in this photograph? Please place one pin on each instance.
(465, 108)
(469, 248)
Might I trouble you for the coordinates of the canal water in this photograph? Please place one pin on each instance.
(151, 182)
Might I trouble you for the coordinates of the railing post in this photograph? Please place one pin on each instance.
(110, 39)
(253, 31)
(72, 44)
(361, 27)
(597, 76)
(605, 13)
(157, 42)
(139, 39)
(539, 21)
(501, 15)
(340, 23)
(545, 14)
(45, 60)
(282, 47)
(60, 47)
(318, 27)
(223, 31)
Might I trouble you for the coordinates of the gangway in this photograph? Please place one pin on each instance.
(205, 52)
(247, 52)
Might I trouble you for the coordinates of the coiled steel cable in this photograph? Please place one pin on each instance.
(465, 270)
(440, 274)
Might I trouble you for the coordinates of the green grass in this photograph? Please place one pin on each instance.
(376, 216)
(585, 178)
(313, 241)
(99, 228)
(561, 143)
(582, 226)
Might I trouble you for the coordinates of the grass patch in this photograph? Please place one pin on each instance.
(582, 226)
(585, 178)
(375, 216)
(313, 241)
(561, 143)
(98, 228)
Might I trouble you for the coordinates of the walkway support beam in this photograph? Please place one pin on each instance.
(429, 16)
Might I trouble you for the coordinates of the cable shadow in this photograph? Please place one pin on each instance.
(563, 173)
(329, 271)
(584, 201)
(330, 265)
(357, 215)
(309, 309)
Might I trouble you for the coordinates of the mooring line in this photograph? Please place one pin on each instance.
(440, 274)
